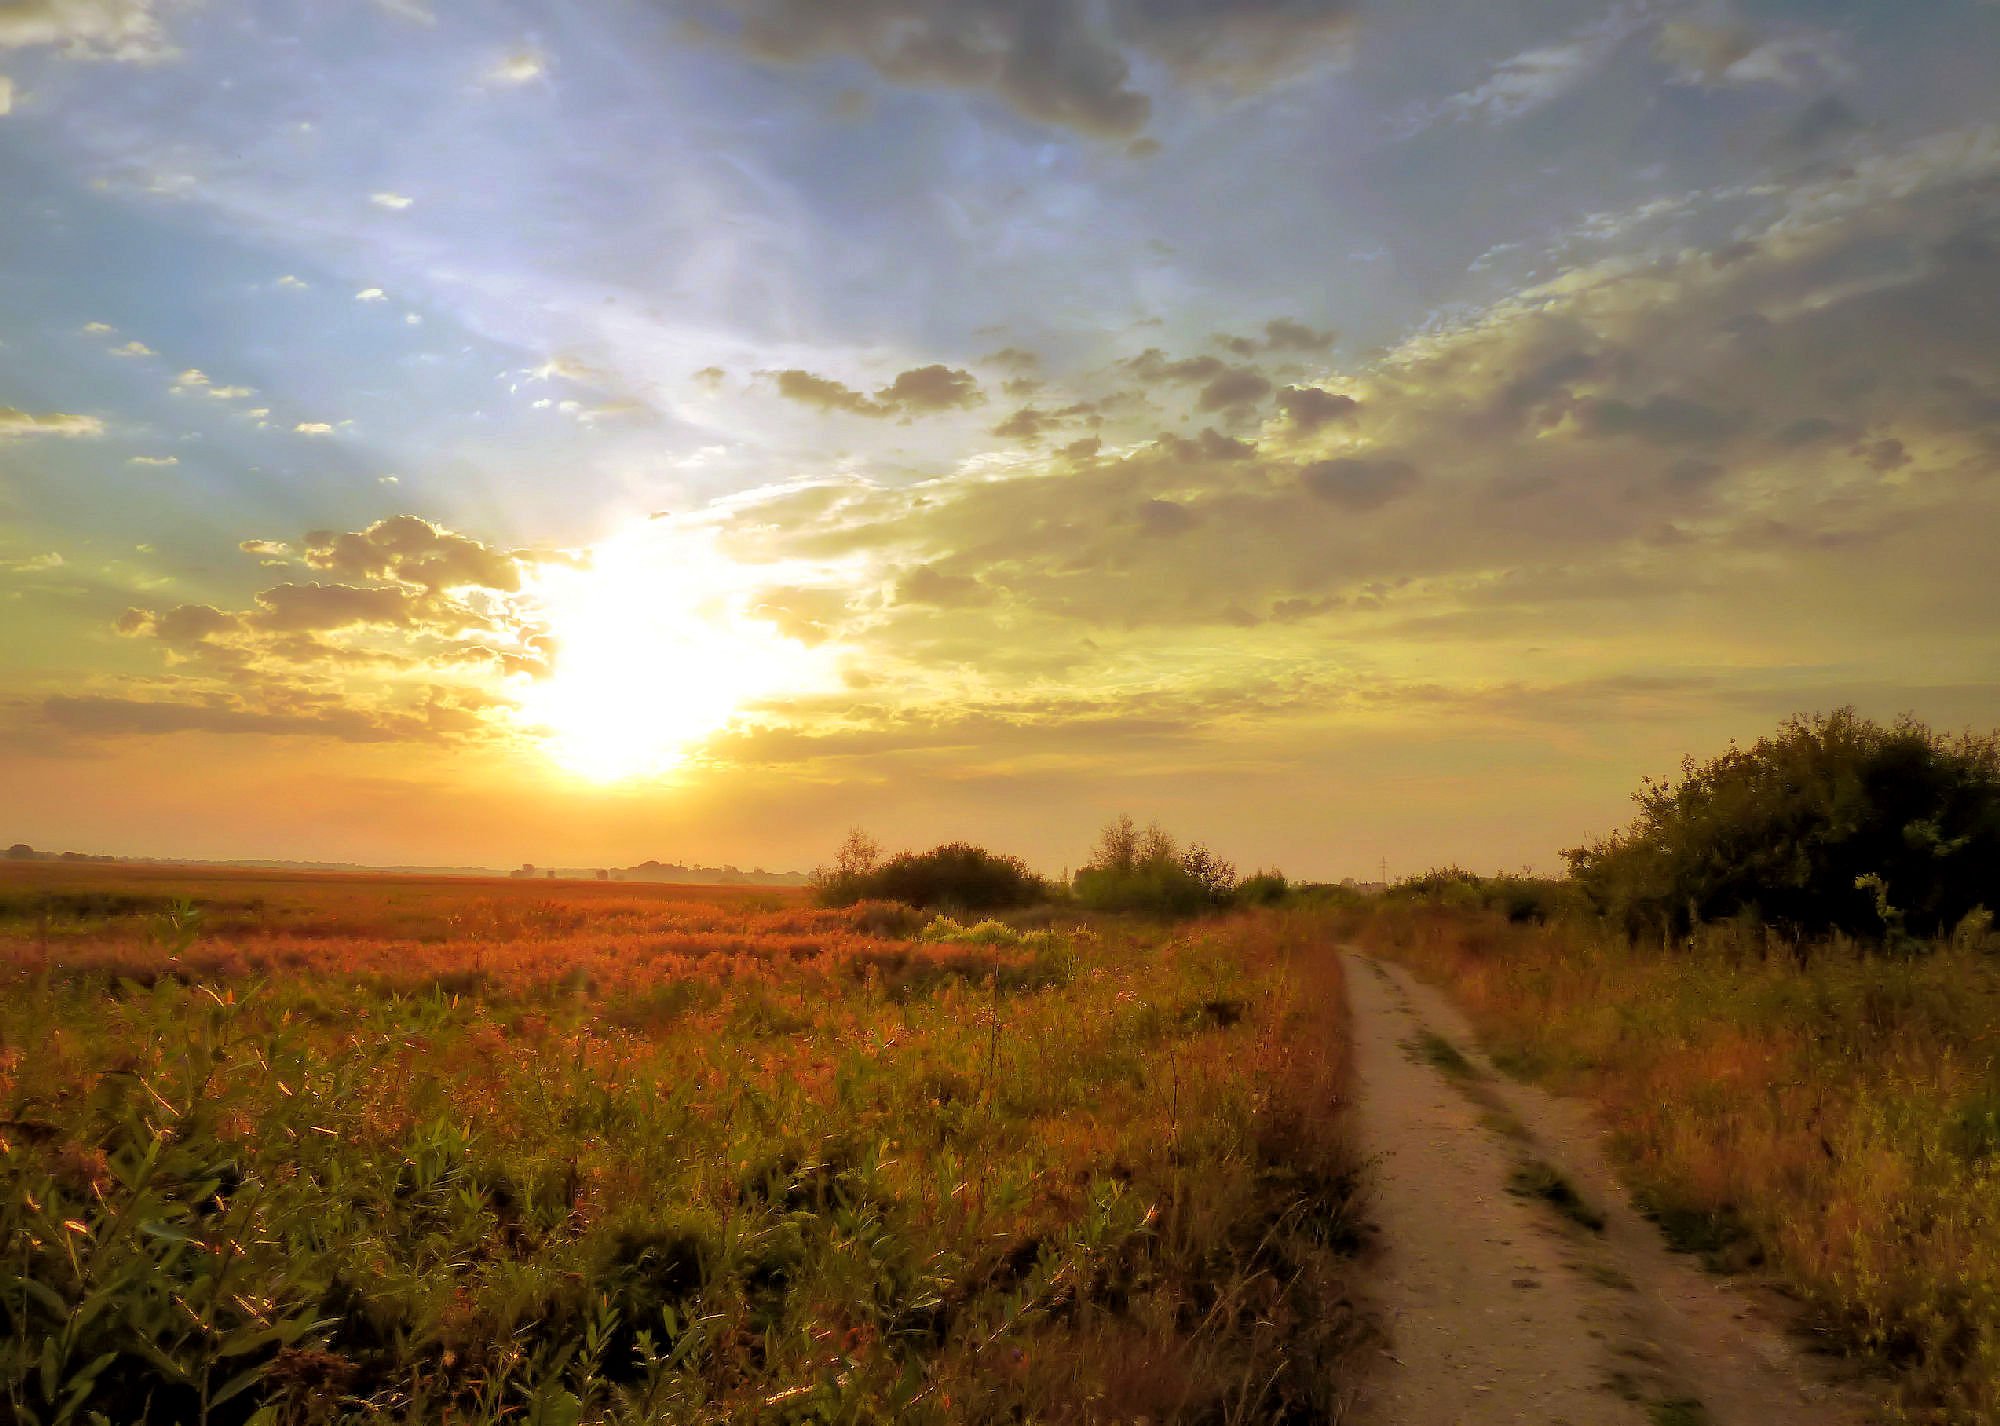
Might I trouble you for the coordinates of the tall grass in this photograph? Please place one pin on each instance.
(1841, 1119)
(412, 1152)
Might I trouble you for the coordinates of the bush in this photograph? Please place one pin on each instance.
(957, 875)
(1530, 899)
(1149, 873)
(1833, 824)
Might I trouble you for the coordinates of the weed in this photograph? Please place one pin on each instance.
(1435, 1050)
(1536, 1179)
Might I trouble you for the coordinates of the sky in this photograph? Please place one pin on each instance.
(1358, 435)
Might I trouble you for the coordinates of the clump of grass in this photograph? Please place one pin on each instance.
(1679, 1411)
(1438, 1052)
(1718, 1236)
(1537, 1179)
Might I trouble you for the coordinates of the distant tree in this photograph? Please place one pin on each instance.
(20, 852)
(1834, 823)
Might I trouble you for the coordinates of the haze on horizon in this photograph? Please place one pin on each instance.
(1345, 431)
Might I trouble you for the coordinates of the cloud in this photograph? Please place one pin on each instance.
(16, 424)
(1063, 62)
(313, 428)
(1310, 407)
(394, 202)
(34, 564)
(94, 715)
(1712, 54)
(930, 388)
(1356, 484)
(134, 349)
(1239, 388)
(1533, 78)
(1281, 334)
(371, 294)
(302, 608)
(127, 30)
(414, 552)
(154, 460)
(291, 283)
(919, 391)
(823, 392)
(522, 66)
(6, 96)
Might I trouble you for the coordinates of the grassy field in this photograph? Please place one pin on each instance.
(1840, 1119)
(312, 1148)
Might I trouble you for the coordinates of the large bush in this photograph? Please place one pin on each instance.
(1834, 823)
(956, 875)
(1150, 873)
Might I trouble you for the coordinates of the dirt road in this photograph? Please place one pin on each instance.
(1499, 1303)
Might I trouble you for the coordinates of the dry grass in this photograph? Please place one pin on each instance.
(1843, 1119)
(407, 1149)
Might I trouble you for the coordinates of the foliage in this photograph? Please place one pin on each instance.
(395, 1150)
(1518, 898)
(957, 875)
(1150, 873)
(1834, 823)
(1837, 1117)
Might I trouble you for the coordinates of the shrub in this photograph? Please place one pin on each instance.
(1266, 888)
(1148, 872)
(957, 875)
(1835, 823)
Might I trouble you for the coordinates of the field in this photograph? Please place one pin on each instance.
(313, 1148)
(1837, 1120)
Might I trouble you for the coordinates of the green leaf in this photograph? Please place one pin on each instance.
(238, 1384)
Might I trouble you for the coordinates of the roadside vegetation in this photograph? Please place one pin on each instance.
(293, 1149)
(1782, 986)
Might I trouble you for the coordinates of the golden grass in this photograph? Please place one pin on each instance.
(418, 1149)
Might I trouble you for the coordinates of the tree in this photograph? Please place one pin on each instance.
(1834, 823)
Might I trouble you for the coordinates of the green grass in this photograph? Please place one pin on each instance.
(1435, 1050)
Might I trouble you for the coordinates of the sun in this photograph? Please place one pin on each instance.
(656, 647)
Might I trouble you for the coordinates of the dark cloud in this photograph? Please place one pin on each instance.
(1166, 517)
(1026, 424)
(1353, 483)
(315, 608)
(1239, 387)
(1154, 365)
(1281, 334)
(1210, 445)
(1063, 62)
(930, 388)
(1310, 407)
(823, 392)
(927, 584)
(918, 391)
(185, 624)
(1663, 420)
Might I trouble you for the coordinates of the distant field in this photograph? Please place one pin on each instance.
(288, 1147)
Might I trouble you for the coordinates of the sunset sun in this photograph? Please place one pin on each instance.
(655, 649)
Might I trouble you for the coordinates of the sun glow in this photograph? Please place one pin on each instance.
(657, 648)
